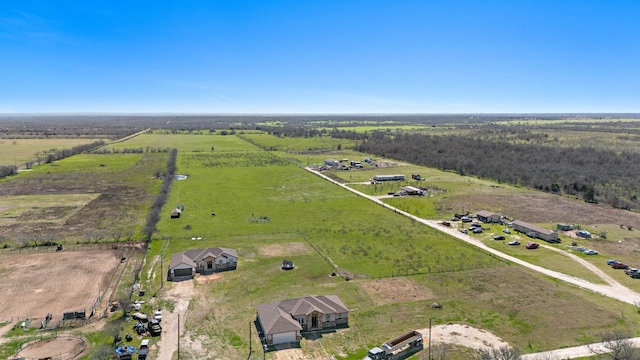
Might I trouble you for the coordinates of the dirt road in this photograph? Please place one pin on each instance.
(613, 290)
(181, 293)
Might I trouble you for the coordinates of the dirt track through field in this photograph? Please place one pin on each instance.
(181, 293)
(613, 290)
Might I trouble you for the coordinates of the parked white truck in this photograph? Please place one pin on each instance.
(399, 348)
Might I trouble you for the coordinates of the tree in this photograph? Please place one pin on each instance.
(615, 346)
(104, 352)
(501, 353)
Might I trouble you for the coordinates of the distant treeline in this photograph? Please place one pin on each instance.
(595, 175)
(50, 157)
(154, 215)
(59, 154)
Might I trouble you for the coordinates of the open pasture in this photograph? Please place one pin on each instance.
(185, 142)
(298, 144)
(37, 284)
(363, 241)
(19, 151)
(81, 198)
(38, 208)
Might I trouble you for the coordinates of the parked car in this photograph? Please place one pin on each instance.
(476, 225)
(619, 265)
(631, 271)
(514, 242)
(498, 237)
(446, 223)
(464, 231)
(532, 245)
(506, 231)
(477, 230)
(455, 218)
(590, 252)
(466, 219)
(611, 262)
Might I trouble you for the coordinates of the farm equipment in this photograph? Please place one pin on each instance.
(399, 348)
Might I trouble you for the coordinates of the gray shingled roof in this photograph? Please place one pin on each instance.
(275, 321)
(286, 309)
(180, 258)
(190, 257)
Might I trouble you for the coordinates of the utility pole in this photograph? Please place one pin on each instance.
(179, 337)
(429, 339)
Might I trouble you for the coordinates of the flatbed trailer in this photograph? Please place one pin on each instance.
(399, 348)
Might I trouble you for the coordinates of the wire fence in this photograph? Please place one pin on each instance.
(55, 248)
(73, 345)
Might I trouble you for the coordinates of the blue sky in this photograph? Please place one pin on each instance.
(368, 56)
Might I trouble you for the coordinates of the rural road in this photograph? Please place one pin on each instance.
(613, 290)
(181, 294)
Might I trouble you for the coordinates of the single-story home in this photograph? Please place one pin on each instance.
(184, 265)
(332, 162)
(412, 190)
(487, 217)
(397, 177)
(283, 321)
(536, 231)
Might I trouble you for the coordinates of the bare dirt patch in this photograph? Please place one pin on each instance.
(292, 248)
(62, 347)
(392, 290)
(37, 284)
(206, 279)
(462, 335)
(181, 293)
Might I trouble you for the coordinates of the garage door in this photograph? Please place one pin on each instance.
(284, 338)
(182, 272)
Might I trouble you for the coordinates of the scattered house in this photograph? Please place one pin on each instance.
(331, 162)
(184, 265)
(412, 190)
(283, 321)
(487, 217)
(536, 231)
(388, 178)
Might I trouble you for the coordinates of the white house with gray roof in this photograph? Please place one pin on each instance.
(283, 321)
(184, 265)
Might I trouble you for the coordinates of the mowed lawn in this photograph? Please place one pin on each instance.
(270, 210)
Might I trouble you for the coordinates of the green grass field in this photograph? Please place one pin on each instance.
(19, 151)
(264, 205)
(269, 209)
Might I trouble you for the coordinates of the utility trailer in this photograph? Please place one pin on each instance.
(399, 348)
